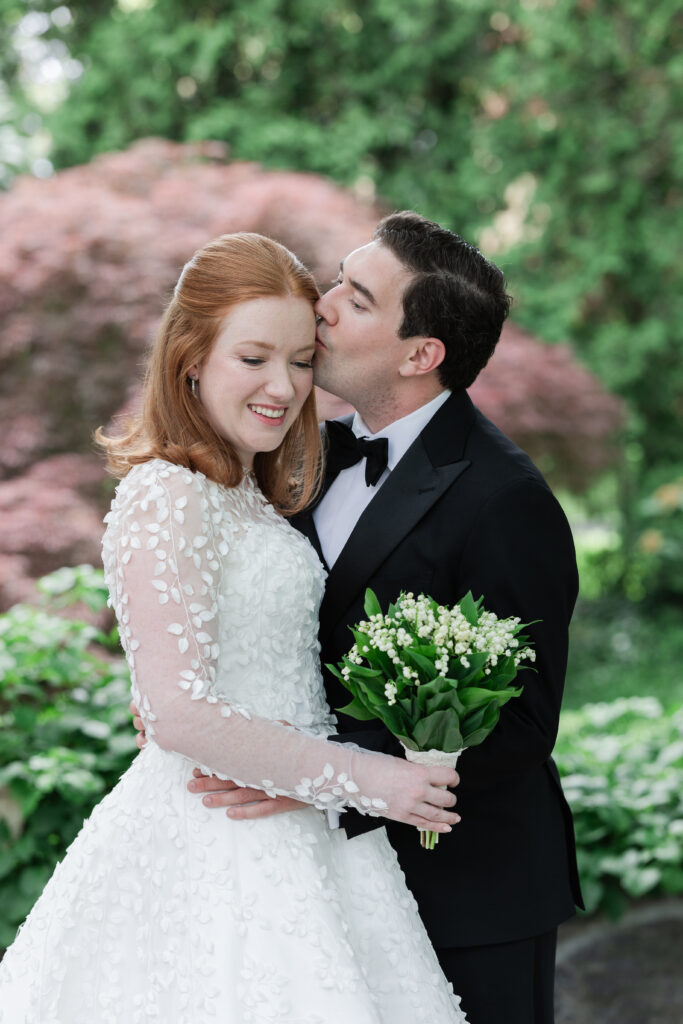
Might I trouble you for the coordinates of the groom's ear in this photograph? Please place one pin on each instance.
(424, 355)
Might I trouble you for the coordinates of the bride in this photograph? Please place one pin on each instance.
(162, 911)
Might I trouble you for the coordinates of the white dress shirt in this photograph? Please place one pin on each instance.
(348, 496)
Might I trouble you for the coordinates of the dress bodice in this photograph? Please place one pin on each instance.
(217, 602)
(262, 583)
(267, 600)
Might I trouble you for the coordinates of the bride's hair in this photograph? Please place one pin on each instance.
(172, 424)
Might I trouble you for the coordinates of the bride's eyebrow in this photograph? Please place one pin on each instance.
(359, 287)
(271, 348)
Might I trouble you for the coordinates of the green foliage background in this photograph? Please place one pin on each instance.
(622, 769)
(551, 121)
(65, 732)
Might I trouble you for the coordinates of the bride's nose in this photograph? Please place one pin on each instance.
(279, 386)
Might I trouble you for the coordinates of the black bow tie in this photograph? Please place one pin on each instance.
(345, 449)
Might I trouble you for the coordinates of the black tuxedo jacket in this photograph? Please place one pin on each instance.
(465, 509)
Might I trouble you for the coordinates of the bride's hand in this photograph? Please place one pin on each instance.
(415, 792)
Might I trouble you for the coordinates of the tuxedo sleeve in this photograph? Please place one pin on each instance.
(520, 557)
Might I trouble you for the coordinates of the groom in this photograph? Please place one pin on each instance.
(446, 504)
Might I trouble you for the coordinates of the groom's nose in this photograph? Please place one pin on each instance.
(324, 308)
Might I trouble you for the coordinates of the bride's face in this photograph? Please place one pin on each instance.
(259, 373)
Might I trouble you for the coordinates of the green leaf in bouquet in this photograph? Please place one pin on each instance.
(357, 710)
(480, 722)
(371, 605)
(477, 737)
(473, 738)
(425, 666)
(475, 696)
(396, 721)
(336, 672)
(475, 668)
(502, 674)
(360, 671)
(475, 732)
(439, 731)
(508, 694)
(427, 650)
(373, 699)
(409, 707)
(359, 707)
(408, 742)
(440, 693)
(370, 689)
(470, 608)
(426, 691)
(491, 716)
(472, 721)
(364, 692)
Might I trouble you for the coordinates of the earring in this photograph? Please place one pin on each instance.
(194, 386)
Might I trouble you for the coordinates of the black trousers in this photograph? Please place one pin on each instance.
(508, 983)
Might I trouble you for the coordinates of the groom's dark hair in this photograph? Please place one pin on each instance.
(455, 295)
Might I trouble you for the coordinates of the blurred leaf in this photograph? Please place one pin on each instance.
(372, 605)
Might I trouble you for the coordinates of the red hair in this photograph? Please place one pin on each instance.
(172, 424)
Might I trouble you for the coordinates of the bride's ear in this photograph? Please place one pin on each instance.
(424, 356)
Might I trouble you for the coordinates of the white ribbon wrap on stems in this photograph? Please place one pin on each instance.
(442, 758)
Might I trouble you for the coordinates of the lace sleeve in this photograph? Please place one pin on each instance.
(163, 556)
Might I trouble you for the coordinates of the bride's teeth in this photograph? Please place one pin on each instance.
(273, 414)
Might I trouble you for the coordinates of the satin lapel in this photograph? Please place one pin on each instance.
(409, 492)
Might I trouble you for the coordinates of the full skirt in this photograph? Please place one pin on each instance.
(165, 911)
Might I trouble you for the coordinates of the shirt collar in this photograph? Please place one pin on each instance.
(401, 433)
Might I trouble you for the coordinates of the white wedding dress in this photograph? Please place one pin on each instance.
(164, 911)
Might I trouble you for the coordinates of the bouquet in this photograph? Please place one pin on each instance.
(436, 677)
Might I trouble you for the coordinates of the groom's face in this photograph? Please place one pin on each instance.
(358, 350)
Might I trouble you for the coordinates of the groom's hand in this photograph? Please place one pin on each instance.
(141, 737)
(240, 801)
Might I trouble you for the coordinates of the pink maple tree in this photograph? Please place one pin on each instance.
(88, 260)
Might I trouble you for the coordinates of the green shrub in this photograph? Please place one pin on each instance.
(622, 649)
(65, 733)
(622, 769)
(660, 544)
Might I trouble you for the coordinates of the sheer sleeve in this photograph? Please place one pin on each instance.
(164, 554)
